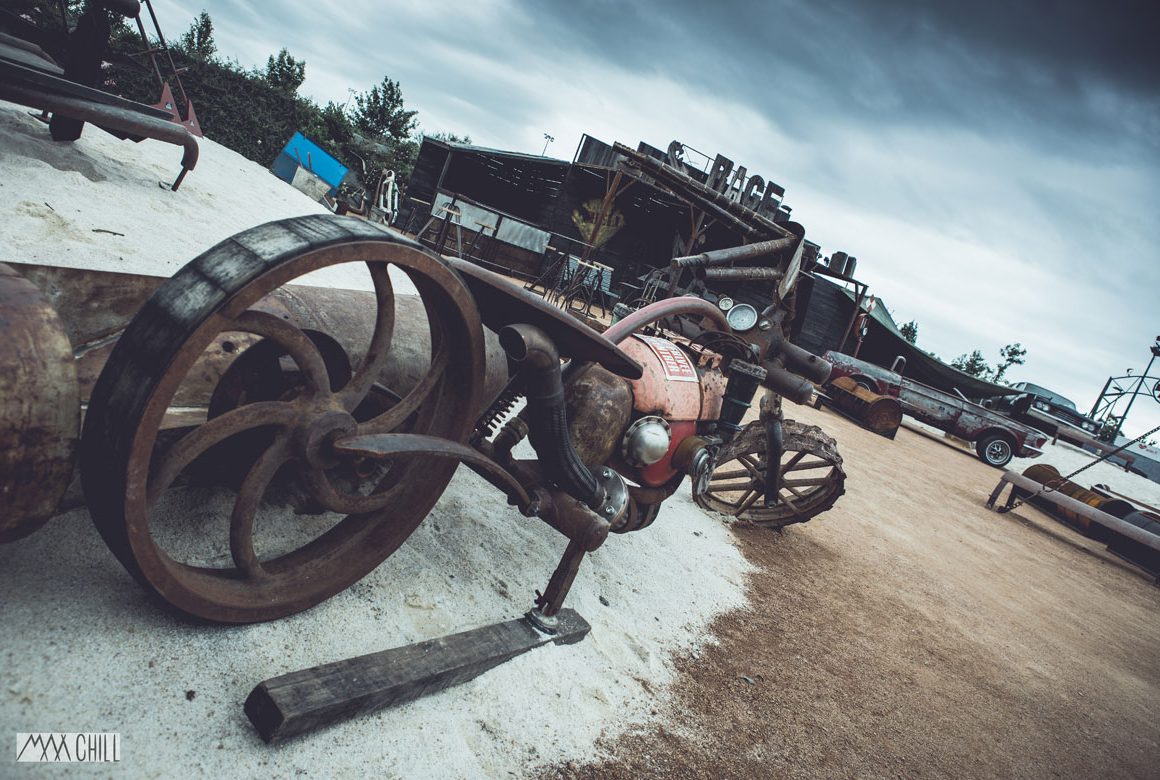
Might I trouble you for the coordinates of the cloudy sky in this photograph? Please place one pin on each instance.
(996, 170)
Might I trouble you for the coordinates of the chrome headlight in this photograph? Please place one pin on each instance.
(646, 441)
(1041, 406)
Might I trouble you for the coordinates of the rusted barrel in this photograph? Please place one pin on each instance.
(1047, 474)
(45, 311)
(878, 413)
(39, 407)
(1137, 553)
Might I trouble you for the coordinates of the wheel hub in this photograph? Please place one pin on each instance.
(314, 441)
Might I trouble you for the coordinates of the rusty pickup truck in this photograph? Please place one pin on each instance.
(997, 439)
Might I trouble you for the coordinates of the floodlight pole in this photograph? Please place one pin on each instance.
(547, 140)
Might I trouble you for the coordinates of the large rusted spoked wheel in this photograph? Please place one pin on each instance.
(812, 476)
(226, 551)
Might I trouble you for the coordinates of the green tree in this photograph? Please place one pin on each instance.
(45, 14)
(198, 40)
(1010, 355)
(338, 121)
(909, 331)
(284, 72)
(380, 112)
(451, 138)
(973, 364)
(253, 114)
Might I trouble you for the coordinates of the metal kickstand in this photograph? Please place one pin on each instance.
(548, 603)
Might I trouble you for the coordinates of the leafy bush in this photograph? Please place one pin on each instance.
(255, 112)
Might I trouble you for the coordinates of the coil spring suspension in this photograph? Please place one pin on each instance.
(489, 422)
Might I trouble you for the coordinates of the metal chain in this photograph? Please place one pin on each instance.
(1055, 483)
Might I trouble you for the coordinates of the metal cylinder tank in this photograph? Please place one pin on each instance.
(39, 407)
(1047, 474)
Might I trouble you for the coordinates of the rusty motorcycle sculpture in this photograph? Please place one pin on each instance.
(234, 392)
(615, 432)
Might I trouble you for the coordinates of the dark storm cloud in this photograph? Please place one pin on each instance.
(1033, 67)
(995, 167)
(354, 44)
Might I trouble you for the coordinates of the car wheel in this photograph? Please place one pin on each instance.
(995, 450)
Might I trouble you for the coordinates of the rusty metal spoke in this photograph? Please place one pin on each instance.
(322, 491)
(747, 501)
(250, 495)
(810, 482)
(296, 343)
(818, 464)
(729, 488)
(398, 414)
(216, 431)
(376, 357)
(749, 463)
(722, 475)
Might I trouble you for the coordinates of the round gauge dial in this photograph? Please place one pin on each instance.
(742, 317)
(724, 303)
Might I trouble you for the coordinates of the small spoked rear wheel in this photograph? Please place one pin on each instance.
(191, 509)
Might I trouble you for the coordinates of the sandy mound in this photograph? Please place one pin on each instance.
(84, 651)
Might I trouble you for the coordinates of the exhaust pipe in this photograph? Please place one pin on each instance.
(539, 362)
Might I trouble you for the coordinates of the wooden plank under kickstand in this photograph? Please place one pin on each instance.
(298, 702)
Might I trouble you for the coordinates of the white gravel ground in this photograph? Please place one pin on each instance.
(83, 649)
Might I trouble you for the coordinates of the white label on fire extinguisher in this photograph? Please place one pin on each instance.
(675, 363)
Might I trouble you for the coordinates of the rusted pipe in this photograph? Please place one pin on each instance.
(739, 274)
(670, 307)
(732, 254)
(575, 521)
(539, 360)
(800, 361)
(39, 407)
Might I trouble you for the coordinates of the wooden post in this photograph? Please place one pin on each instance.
(605, 207)
(321, 696)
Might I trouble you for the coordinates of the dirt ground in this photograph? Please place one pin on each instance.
(910, 632)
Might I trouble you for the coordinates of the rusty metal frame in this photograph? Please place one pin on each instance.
(1081, 509)
(748, 223)
(115, 117)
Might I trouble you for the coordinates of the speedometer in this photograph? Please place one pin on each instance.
(742, 317)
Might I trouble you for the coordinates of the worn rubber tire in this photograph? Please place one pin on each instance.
(995, 450)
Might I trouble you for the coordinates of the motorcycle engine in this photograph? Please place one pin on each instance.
(645, 428)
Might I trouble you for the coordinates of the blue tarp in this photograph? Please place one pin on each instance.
(301, 151)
